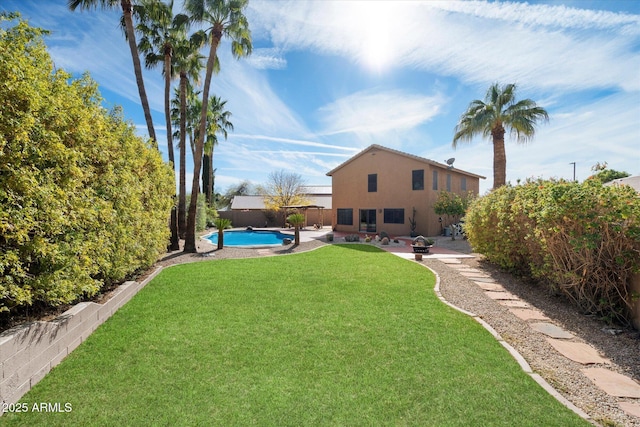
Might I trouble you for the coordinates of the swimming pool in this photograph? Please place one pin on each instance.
(250, 237)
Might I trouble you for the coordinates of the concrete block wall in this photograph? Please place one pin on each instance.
(29, 351)
(635, 302)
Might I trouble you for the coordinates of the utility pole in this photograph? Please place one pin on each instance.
(574, 170)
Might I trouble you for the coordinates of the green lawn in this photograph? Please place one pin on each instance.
(343, 335)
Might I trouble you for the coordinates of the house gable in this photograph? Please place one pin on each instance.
(377, 189)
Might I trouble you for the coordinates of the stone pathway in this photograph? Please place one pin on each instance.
(614, 384)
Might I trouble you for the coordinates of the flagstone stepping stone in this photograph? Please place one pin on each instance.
(468, 270)
(631, 408)
(490, 286)
(513, 303)
(450, 260)
(482, 279)
(551, 330)
(501, 295)
(528, 314)
(577, 351)
(472, 274)
(613, 383)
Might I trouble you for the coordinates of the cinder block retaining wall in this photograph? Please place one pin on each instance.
(635, 301)
(29, 351)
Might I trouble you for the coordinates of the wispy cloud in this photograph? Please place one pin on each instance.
(373, 112)
(479, 42)
(267, 58)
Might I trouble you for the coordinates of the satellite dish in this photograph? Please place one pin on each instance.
(450, 161)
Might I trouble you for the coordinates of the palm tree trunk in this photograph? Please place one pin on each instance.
(190, 239)
(206, 177)
(174, 243)
(499, 158)
(182, 202)
(137, 68)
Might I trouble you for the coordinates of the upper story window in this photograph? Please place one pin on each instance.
(435, 180)
(417, 179)
(463, 183)
(373, 182)
(448, 182)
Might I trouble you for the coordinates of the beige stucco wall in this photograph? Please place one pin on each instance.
(394, 171)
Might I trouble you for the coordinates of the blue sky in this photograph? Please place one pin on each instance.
(329, 78)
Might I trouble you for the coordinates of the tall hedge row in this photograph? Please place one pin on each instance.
(581, 239)
(83, 201)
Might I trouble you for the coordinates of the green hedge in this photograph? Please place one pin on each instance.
(580, 239)
(84, 202)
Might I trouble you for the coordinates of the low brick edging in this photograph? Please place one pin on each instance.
(29, 351)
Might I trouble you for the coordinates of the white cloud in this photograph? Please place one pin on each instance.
(267, 58)
(375, 112)
(479, 42)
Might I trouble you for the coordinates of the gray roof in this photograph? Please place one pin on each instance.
(257, 202)
(631, 181)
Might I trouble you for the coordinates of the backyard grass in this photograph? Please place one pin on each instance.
(343, 335)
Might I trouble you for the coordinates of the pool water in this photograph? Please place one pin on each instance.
(250, 237)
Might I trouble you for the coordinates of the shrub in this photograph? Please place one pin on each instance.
(83, 201)
(582, 240)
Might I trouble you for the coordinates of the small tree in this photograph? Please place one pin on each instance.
(296, 219)
(604, 175)
(221, 224)
(452, 205)
(283, 189)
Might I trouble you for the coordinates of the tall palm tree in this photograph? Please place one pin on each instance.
(127, 9)
(160, 31)
(188, 63)
(499, 111)
(217, 122)
(226, 19)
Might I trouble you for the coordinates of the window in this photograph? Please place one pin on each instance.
(435, 180)
(463, 183)
(448, 182)
(345, 216)
(394, 216)
(373, 182)
(417, 179)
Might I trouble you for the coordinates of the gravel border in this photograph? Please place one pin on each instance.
(622, 348)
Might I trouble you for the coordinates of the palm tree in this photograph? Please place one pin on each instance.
(188, 63)
(490, 117)
(226, 19)
(297, 220)
(217, 122)
(221, 224)
(160, 31)
(127, 9)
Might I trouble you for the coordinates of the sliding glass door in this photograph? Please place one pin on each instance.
(368, 220)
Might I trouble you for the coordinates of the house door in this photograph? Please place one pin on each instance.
(368, 220)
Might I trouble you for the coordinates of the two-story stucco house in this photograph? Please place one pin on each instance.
(377, 189)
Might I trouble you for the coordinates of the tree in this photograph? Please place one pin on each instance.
(160, 31)
(221, 224)
(283, 189)
(226, 19)
(296, 219)
(127, 9)
(452, 205)
(217, 122)
(492, 117)
(83, 200)
(605, 175)
(244, 188)
(188, 63)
